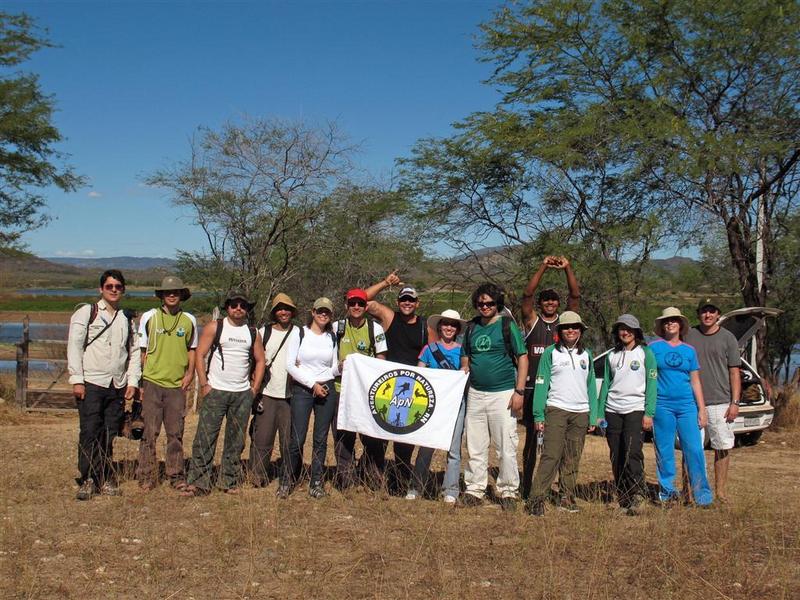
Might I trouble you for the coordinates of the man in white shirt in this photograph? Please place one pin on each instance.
(104, 370)
(229, 380)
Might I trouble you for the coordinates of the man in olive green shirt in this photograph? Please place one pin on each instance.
(168, 338)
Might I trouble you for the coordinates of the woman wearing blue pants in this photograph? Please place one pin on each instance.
(680, 408)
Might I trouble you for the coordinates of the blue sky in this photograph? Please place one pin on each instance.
(133, 81)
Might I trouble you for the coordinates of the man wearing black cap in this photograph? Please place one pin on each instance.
(229, 380)
(718, 355)
(541, 327)
(406, 336)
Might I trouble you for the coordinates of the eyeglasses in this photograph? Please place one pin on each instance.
(444, 323)
(491, 304)
(571, 326)
(406, 299)
(239, 304)
(115, 287)
(356, 303)
(172, 292)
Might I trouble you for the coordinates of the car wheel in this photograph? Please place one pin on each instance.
(749, 439)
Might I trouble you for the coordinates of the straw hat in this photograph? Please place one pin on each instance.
(671, 313)
(284, 299)
(453, 315)
(569, 317)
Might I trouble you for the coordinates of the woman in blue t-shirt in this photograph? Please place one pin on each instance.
(445, 353)
(680, 408)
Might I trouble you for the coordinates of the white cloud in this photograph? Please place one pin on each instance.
(75, 254)
(94, 194)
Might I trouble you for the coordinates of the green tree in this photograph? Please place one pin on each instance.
(29, 159)
(675, 116)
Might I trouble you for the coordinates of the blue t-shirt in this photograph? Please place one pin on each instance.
(675, 363)
(453, 356)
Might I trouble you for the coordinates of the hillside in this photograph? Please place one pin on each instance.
(123, 263)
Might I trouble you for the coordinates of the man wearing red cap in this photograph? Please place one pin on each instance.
(357, 334)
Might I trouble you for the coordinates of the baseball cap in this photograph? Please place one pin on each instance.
(408, 291)
(356, 293)
(323, 302)
(712, 302)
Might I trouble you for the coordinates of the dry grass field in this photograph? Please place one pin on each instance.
(371, 545)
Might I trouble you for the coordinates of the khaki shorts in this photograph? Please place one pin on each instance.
(719, 431)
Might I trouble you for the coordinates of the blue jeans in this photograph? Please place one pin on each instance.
(302, 403)
(680, 417)
(452, 476)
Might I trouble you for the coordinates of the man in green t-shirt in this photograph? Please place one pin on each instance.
(168, 338)
(494, 353)
(357, 334)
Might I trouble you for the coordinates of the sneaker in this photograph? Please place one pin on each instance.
(317, 490)
(508, 504)
(471, 501)
(87, 490)
(448, 499)
(567, 504)
(110, 489)
(411, 495)
(283, 492)
(535, 507)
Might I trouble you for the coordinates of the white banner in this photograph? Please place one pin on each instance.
(392, 401)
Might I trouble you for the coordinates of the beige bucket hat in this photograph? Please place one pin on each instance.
(284, 299)
(671, 313)
(171, 282)
(569, 317)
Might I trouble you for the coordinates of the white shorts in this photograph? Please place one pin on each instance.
(719, 431)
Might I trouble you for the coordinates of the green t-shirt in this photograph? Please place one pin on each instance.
(166, 339)
(491, 368)
(354, 341)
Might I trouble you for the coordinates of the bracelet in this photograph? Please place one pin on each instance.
(520, 392)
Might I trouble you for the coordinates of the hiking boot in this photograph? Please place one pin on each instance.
(567, 504)
(110, 488)
(317, 490)
(283, 492)
(87, 490)
(637, 506)
(508, 504)
(471, 501)
(535, 507)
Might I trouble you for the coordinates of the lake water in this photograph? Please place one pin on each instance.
(78, 293)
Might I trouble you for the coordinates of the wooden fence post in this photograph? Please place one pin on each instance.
(23, 354)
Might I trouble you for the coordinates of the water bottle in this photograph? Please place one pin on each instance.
(539, 441)
(602, 425)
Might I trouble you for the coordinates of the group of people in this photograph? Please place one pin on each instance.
(268, 380)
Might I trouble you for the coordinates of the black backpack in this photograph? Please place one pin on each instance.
(215, 345)
(506, 325)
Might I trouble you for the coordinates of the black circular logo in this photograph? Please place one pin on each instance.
(401, 401)
(673, 359)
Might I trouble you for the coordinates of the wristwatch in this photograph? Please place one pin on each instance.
(735, 402)
(520, 392)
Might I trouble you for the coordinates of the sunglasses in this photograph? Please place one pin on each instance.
(491, 304)
(671, 320)
(116, 287)
(172, 292)
(444, 323)
(323, 312)
(356, 303)
(238, 304)
(569, 327)
(406, 299)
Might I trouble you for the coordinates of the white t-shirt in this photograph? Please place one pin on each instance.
(313, 361)
(235, 343)
(568, 380)
(628, 381)
(276, 363)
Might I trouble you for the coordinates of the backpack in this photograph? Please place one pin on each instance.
(189, 335)
(506, 325)
(215, 345)
(342, 323)
(334, 338)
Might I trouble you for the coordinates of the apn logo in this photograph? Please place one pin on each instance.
(401, 401)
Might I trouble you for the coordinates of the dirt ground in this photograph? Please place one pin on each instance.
(371, 545)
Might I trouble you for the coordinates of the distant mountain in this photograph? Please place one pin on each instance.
(123, 263)
(671, 265)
